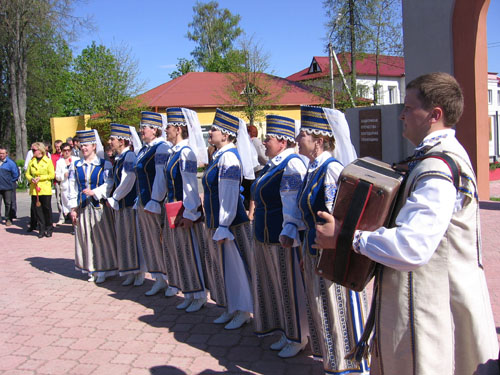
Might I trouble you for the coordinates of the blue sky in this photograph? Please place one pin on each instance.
(291, 32)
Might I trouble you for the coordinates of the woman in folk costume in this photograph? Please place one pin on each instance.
(337, 313)
(151, 189)
(95, 247)
(230, 243)
(278, 286)
(182, 243)
(123, 195)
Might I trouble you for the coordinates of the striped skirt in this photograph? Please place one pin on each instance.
(183, 257)
(278, 292)
(215, 260)
(149, 235)
(129, 260)
(338, 316)
(95, 246)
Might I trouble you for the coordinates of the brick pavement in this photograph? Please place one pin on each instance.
(52, 321)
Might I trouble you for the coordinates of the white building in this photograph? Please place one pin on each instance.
(494, 114)
(391, 81)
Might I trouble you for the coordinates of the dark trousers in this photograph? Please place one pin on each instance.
(43, 213)
(14, 200)
(6, 195)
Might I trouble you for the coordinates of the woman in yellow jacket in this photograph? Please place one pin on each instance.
(40, 174)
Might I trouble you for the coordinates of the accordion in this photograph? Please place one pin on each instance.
(366, 197)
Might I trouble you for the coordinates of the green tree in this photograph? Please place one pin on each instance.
(48, 89)
(361, 27)
(386, 36)
(24, 23)
(103, 81)
(251, 90)
(184, 66)
(215, 31)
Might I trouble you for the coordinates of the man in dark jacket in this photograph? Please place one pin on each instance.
(8, 175)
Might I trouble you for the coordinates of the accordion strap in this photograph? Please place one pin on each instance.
(344, 242)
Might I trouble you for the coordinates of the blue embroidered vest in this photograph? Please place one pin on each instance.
(97, 178)
(128, 200)
(268, 217)
(312, 200)
(173, 177)
(210, 184)
(145, 171)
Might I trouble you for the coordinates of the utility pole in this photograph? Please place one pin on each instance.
(332, 87)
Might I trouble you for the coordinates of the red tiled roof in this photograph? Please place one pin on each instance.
(209, 89)
(389, 66)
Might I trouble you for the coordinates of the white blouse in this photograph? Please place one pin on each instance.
(420, 225)
(229, 191)
(159, 185)
(188, 168)
(127, 181)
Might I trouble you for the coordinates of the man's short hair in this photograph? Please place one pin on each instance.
(58, 142)
(440, 90)
(69, 139)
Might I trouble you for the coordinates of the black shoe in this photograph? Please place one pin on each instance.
(29, 230)
(48, 234)
(40, 235)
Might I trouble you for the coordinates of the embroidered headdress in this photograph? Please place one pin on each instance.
(280, 127)
(226, 122)
(151, 119)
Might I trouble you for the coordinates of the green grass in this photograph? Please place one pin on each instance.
(496, 199)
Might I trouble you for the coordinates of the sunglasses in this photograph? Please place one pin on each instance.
(34, 149)
(66, 150)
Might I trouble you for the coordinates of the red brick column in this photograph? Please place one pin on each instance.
(470, 55)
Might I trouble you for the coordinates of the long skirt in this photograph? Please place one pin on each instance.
(183, 258)
(338, 315)
(278, 292)
(129, 258)
(150, 241)
(95, 246)
(228, 267)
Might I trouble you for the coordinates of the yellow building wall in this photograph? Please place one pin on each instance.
(206, 116)
(64, 127)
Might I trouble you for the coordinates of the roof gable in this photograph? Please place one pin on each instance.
(389, 66)
(210, 89)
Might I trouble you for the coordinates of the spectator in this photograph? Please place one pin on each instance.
(8, 176)
(62, 176)
(57, 185)
(40, 173)
(261, 157)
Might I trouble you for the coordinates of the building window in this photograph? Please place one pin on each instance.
(314, 68)
(363, 91)
(490, 96)
(498, 97)
(392, 94)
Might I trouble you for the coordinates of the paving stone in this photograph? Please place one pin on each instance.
(52, 321)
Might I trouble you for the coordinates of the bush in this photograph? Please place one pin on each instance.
(494, 165)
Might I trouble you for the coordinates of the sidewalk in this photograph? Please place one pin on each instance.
(52, 321)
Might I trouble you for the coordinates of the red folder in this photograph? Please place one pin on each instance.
(174, 212)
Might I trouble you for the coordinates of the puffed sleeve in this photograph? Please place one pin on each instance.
(127, 181)
(291, 183)
(229, 194)
(190, 197)
(331, 177)
(159, 184)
